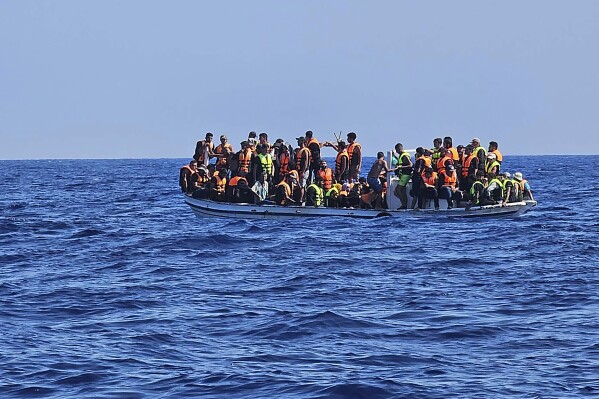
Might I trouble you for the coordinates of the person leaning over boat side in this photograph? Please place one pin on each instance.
(404, 161)
(448, 190)
(494, 149)
(204, 150)
(185, 174)
(378, 167)
(302, 164)
(469, 169)
(492, 165)
(524, 187)
(494, 190)
(222, 152)
(314, 147)
(479, 152)
(428, 189)
(218, 185)
(436, 152)
(354, 152)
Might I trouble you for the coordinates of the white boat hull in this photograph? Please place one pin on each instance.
(208, 208)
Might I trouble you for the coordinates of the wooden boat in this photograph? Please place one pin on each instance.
(208, 208)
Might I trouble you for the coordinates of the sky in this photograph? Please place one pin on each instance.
(147, 79)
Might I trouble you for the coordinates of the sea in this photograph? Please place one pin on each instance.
(110, 288)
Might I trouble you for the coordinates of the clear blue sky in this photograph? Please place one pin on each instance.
(116, 79)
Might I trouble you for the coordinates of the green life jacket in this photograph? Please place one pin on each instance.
(473, 188)
(489, 167)
(500, 187)
(330, 191)
(479, 148)
(319, 193)
(266, 162)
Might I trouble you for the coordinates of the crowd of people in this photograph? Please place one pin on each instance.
(261, 172)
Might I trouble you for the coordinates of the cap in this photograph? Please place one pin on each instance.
(476, 139)
(507, 175)
(491, 156)
(518, 176)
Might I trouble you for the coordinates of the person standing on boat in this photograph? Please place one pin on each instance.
(204, 150)
(378, 167)
(436, 151)
(282, 162)
(223, 151)
(452, 151)
(314, 148)
(524, 186)
(185, 174)
(341, 163)
(354, 152)
(265, 168)
(469, 169)
(404, 162)
(494, 149)
(302, 164)
(422, 161)
(480, 153)
(244, 159)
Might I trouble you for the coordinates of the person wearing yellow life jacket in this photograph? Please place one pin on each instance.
(218, 185)
(331, 196)
(342, 163)
(436, 151)
(492, 165)
(428, 189)
(204, 150)
(404, 162)
(494, 149)
(469, 169)
(265, 164)
(477, 191)
(524, 186)
(494, 191)
(510, 188)
(354, 152)
(222, 152)
(452, 152)
(185, 174)
(448, 186)
(314, 194)
(479, 152)
(325, 175)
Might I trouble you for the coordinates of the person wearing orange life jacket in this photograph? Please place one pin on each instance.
(185, 174)
(218, 185)
(302, 164)
(458, 164)
(222, 152)
(282, 162)
(479, 152)
(342, 163)
(452, 151)
(469, 169)
(354, 152)
(204, 150)
(492, 165)
(524, 186)
(244, 159)
(444, 161)
(314, 147)
(448, 186)
(494, 149)
(422, 161)
(239, 189)
(428, 189)
(325, 175)
(201, 183)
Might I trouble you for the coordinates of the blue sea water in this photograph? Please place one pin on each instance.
(111, 288)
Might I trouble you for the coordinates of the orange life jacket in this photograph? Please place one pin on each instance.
(235, 181)
(441, 164)
(454, 153)
(466, 165)
(295, 175)
(287, 188)
(245, 157)
(429, 180)
(427, 160)
(284, 163)
(202, 180)
(498, 154)
(350, 150)
(450, 180)
(340, 155)
(312, 141)
(302, 155)
(220, 149)
(220, 183)
(327, 178)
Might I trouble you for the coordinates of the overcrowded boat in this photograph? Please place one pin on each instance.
(264, 181)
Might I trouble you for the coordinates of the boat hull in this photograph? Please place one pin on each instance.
(207, 208)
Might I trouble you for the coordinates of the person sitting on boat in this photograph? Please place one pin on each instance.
(201, 183)
(510, 188)
(315, 194)
(325, 175)
(470, 167)
(331, 196)
(428, 190)
(494, 190)
(366, 194)
(354, 152)
(185, 174)
(314, 148)
(222, 152)
(302, 164)
(204, 150)
(494, 149)
(353, 197)
(524, 187)
(378, 167)
(476, 195)
(404, 161)
(448, 190)
(218, 185)
(239, 189)
(492, 166)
